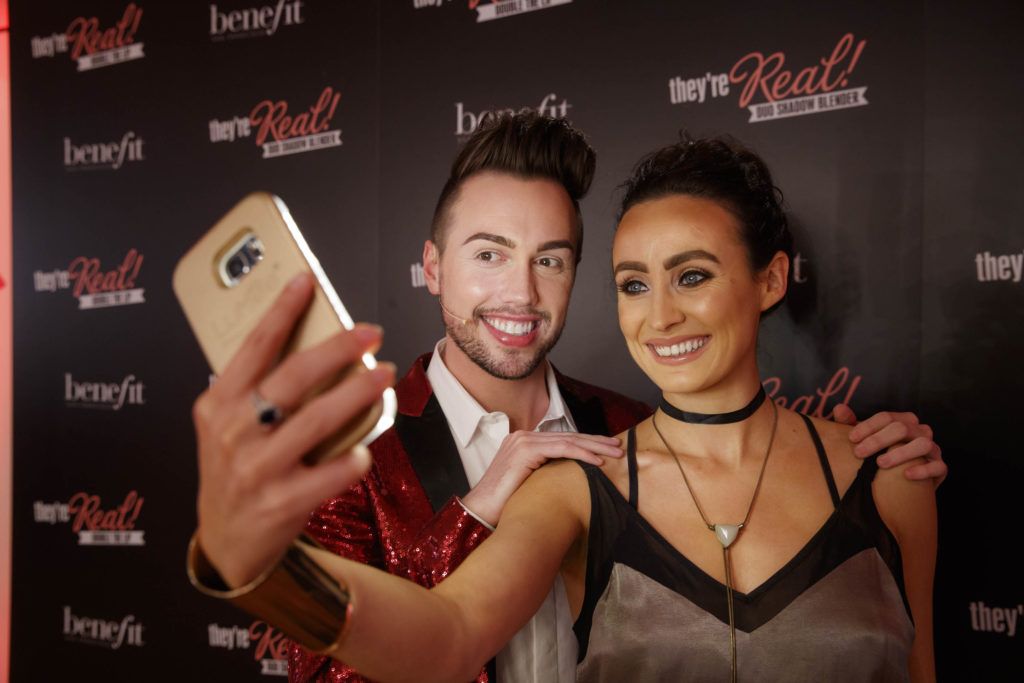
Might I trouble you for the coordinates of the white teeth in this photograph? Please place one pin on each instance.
(689, 346)
(509, 327)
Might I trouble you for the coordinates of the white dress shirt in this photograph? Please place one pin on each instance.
(544, 650)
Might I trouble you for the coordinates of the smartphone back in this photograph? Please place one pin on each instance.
(231, 277)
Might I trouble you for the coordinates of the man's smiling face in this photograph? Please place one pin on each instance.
(506, 271)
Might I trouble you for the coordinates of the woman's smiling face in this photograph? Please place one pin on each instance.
(689, 304)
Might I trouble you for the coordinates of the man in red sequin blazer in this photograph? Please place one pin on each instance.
(486, 408)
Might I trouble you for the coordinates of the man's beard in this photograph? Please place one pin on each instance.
(513, 364)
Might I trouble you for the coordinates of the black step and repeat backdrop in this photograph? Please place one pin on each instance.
(894, 130)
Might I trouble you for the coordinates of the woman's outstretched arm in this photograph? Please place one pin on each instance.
(908, 509)
(400, 631)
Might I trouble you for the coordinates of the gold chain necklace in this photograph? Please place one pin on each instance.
(726, 533)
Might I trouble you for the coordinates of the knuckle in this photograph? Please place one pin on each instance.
(203, 409)
(226, 440)
(267, 336)
(275, 500)
(317, 420)
(258, 337)
(242, 482)
(901, 430)
(915, 447)
(345, 344)
(355, 392)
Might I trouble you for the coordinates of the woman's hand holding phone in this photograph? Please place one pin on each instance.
(255, 493)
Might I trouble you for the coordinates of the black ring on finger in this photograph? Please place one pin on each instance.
(267, 414)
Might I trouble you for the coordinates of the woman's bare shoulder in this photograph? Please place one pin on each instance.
(835, 439)
(834, 435)
(902, 503)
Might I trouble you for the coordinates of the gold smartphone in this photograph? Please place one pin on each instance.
(229, 279)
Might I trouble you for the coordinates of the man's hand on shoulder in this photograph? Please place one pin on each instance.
(523, 452)
(905, 437)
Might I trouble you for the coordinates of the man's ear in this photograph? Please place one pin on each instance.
(774, 280)
(431, 268)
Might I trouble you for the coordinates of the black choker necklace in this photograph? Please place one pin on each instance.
(714, 418)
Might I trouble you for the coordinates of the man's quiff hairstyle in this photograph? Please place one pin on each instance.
(525, 145)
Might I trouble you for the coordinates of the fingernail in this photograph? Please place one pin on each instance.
(385, 373)
(360, 457)
(368, 333)
(298, 282)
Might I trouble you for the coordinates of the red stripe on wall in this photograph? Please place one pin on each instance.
(5, 344)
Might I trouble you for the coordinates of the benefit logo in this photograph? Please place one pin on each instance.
(103, 395)
(488, 10)
(839, 389)
(279, 131)
(93, 285)
(94, 524)
(770, 88)
(93, 44)
(103, 156)
(467, 121)
(102, 633)
(254, 22)
(268, 645)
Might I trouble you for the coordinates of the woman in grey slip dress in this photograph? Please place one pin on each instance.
(736, 540)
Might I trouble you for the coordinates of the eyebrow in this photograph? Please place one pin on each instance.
(490, 237)
(631, 265)
(558, 244)
(671, 262)
(692, 255)
(506, 242)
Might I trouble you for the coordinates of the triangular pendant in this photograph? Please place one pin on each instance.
(727, 533)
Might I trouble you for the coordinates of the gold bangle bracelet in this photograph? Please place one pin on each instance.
(296, 595)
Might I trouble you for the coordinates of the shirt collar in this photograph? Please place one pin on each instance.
(464, 413)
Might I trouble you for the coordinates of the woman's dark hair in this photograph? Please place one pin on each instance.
(723, 170)
(525, 145)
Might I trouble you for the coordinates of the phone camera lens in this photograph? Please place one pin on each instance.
(237, 267)
(254, 248)
(239, 262)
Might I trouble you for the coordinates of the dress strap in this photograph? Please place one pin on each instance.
(634, 486)
(823, 458)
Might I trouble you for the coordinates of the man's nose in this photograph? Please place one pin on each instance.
(520, 285)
